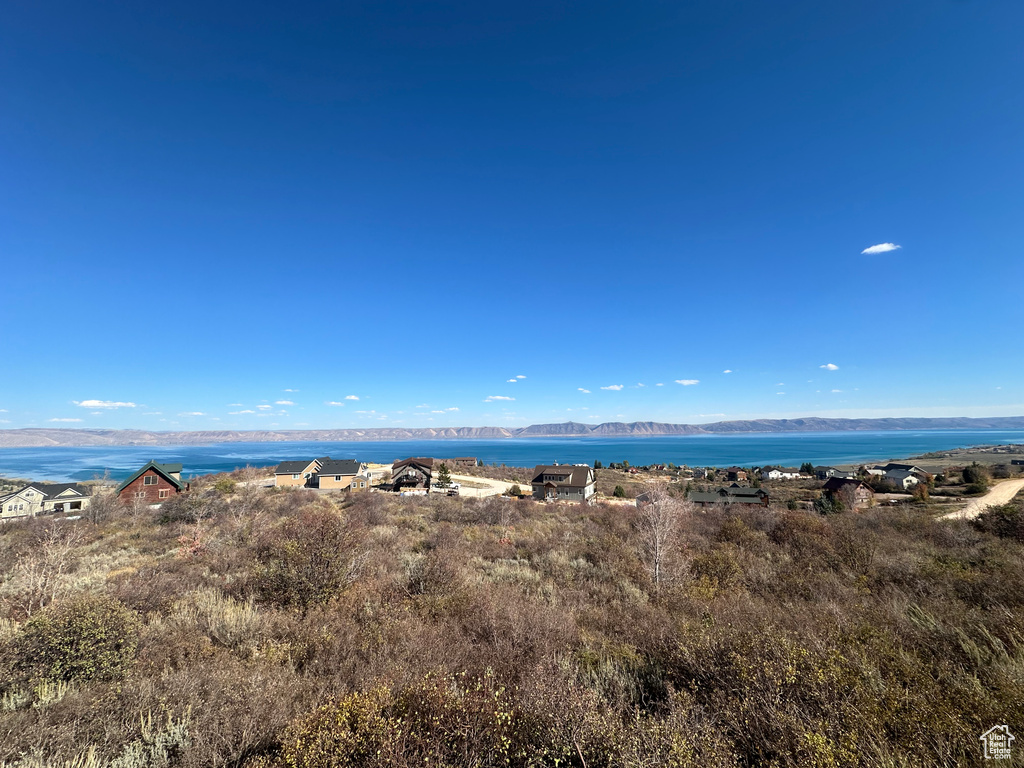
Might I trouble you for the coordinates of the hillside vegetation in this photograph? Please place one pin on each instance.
(240, 627)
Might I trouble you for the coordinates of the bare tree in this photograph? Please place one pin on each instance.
(38, 575)
(659, 523)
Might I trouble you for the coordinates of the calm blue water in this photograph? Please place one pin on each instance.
(66, 464)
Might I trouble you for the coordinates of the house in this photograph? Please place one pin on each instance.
(824, 473)
(891, 466)
(902, 478)
(780, 473)
(297, 474)
(64, 498)
(731, 495)
(850, 491)
(339, 475)
(563, 482)
(735, 473)
(25, 502)
(412, 473)
(153, 483)
(1017, 462)
(875, 471)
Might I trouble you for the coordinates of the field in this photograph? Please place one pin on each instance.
(245, 626)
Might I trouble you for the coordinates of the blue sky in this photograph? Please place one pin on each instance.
(245, 215)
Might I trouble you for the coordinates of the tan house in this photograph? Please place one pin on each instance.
(44, 499)
(340, 475)
(297, 474)
(563, 482)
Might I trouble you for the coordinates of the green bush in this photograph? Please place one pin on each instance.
(86, 638)
(619, 492)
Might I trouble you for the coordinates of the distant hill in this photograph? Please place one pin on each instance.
(34, 438)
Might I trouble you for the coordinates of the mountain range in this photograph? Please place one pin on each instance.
(41, 437)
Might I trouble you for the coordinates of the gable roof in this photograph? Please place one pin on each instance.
(340, 467)
(576, 477)
(164, 470)
(732, 494)
(423, 463)
(53, 490)
(294, 467)
(835, 483)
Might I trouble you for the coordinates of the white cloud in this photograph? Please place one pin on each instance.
(781, 384)
(239, 413)
(837, 390)
(3, 410)
(95, 413)
(659, 384)
(780, 393)
(829, 367)
(234, 405)
(192, 413)
(65, 420)
(335, 403)
(5, 421)
(512, 381)
(437, 411)
(640, 385)
(102, 404)
(520, 376)
(453, 408)
(492, 398)
(727, 370)
(289, 390)
(881, 248)
(584, 391)
(265, 407)
(351, 397)
(153, 413)
(613, 387)
(687, 382)
(283, 402)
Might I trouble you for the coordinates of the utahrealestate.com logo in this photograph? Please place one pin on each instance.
(996, 742)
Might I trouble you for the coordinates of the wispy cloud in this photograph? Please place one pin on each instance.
(492, 398)
(437, 411)
(727, 370)
(289, 390)
(780, 393)
(660, 384)
(234, 405)
(102, 404)
(836, 390)
(584, 391)
(453, 408)
(640, 384)
(688, 382)
(520, 376)
(613, 387)
(192, 413)
(335, 403)
(512, 381)
(265, 407)
(829, 367)
(153, 413)
(881, 248)
(5, 421)
(239, 413)
(351, 397)
(65, 420)
(283, 402)
(3, 410)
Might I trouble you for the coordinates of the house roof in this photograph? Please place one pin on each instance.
(423, 463)
(905, 467)
(292, 467)
(734, 494)
(577, 477)
(52, 491)
(340, 467)
(835, 483)
(164, 470)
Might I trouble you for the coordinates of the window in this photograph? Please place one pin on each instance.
(337, 478)
(295, 477)
(163, 493)
(140, 495)
(150, 480)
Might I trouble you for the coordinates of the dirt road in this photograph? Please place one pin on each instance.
(1001, 493)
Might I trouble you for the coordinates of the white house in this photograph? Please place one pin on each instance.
(902, 478)
(780, 473)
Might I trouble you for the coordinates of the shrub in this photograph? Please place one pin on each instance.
(225, 485)
(308, 559)
(1006, 521)
(619, 492)
(86, 638)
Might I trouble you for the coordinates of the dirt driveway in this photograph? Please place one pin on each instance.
(1001, 493)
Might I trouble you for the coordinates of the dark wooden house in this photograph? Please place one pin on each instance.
(153, 483)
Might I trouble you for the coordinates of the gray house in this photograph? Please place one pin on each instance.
(731, 495)
(412, 473)
(563, 482)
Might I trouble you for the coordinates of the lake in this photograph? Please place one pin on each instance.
(757, 449)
